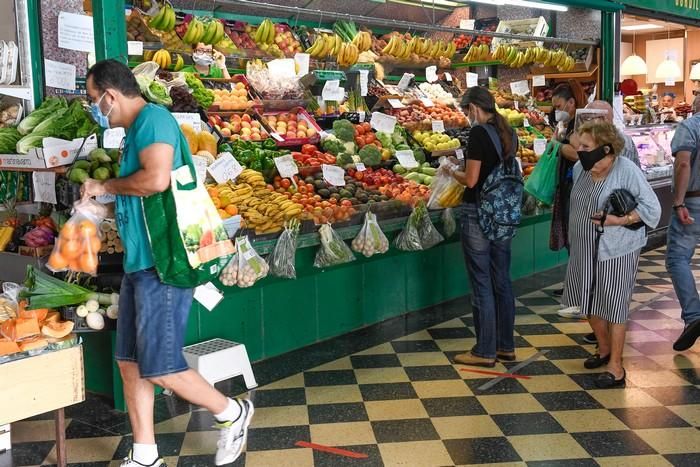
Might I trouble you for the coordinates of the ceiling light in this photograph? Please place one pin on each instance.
(695, 72)
(633, 65)
(668, 70)
(540, 5)
(440, 2)
(640, 27)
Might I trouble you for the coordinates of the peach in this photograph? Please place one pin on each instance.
(245, 137)
(245, 124)
(246, 118)
(255, 137)
(301, 134)
(236, 118)
(245, 131)
(225, 132)
(236, 127)
(310, 132)
(255, 124)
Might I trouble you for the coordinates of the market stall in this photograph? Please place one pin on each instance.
(319, 154)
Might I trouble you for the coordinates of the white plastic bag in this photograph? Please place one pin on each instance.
(283, 256)
(333, 249)
(445, 191)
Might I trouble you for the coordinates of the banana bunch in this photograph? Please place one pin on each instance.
(423, 47)
(560, 60)
(179, 62)
(213, 32)
(265, 34)
(363, 41)
(541, 55)
(195, 32)
(164, 20)
(162, 58)
(567, 65)
(325, 45)
(348, 55)
(451, 196)
(477, 53)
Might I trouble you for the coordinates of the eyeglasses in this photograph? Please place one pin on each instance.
(204, 51)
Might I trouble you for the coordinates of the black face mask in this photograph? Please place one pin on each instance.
(590, 158)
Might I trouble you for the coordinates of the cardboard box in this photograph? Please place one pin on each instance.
(40, 384)
(36, 252)
(54, 153)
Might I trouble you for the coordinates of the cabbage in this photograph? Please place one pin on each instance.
(28, 143)
(48, 107)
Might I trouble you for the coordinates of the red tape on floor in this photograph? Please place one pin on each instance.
(495, 373)
(332, 450)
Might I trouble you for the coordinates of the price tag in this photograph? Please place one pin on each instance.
(59, 75)
(526, 122)
(467, 24)
(360, 167)
(286, 166)
(382, 123)
(276, 136)
(192, 119)
(332, 91)
(540, 144)
(302, 63)
(44, 187)
(427, 102)
(208, 295)
(448, 77)
(520, 88)
(538, 80)
(431, 74)
(75, 32)
(407, 159)
(362, 114)
(670, 82)
(405, 81)
(459, 153)
(396, 103)
(472, 80)
(333, 174)
(225, 168)
(438, 126)
(200, 167)
(134, 48)
(107, 198)
(364, 77)
(113, 137)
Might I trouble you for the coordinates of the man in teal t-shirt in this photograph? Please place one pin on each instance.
(152, 315)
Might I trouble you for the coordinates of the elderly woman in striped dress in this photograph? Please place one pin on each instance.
(604, 287)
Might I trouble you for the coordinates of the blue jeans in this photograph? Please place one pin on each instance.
(152, 324)
(488, 265)
(682, 240)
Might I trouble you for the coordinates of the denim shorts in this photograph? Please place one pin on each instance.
(152, 324)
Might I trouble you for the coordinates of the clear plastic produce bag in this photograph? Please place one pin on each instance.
(283, 256)
(79, 240)
(429, 235)
(409, 238)
(333, 249)
(445, 191)
(449, 224)
(245, 268)
(370, 240)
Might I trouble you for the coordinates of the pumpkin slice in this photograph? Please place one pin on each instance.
(52, 317)
(40, 313)
(57, 330)
(8, 329)
(26, 327)
(34, 343)
(8, 347)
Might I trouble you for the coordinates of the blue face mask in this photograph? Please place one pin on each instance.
(100, 118)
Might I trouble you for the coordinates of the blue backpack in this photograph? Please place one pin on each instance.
(500, 199)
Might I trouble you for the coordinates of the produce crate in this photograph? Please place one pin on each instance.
(536, 27)
(226, 117)
(81, 326)
(483, 24)
(302, 114)
(36, 252)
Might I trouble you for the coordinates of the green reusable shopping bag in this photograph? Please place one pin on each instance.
(187, 236)
(542, 182)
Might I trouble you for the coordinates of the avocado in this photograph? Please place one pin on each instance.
(309, 180)
(324, 193)
(82, 164)
(78, 175)
(319, 184)
(113, 154)
(345, 194)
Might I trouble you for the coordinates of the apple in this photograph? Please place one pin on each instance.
(225, 132)
(236, 127)
(245, 124)
(291, 135)
(245, 137)
(255, 137)
(255, 124)
(245, 131)
(310, 132)
(301, 134)
(246, 118)
(236, 118)
(255, 130)
(235, 137)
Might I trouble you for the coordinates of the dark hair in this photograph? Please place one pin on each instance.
(483, 99)
(111, 74)
(570, 90)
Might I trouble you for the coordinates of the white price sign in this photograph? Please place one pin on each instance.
(360, 167)
(134, 48)
(459, 153)
(540, 144)
(382, 123)
(302, 62)
(526, 122)
(448, 77)
(286, 166)
(208, 295)
(405, 81)
(333, 174)
(112, 138)
(427, 102)
(200, 167)
(276, 136)
(44, 187)
(396, 103)
(472, 80)
(225, 168)
(364, 78)
(538, 80)
(520, 88)
(192, 119)
(431, 74)
(407, 159)
(438, 126)
(332, 91)
(467, 24)
(75, 32)
(59, 75)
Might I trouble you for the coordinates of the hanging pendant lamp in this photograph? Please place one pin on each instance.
(634, 64)
(668, 70)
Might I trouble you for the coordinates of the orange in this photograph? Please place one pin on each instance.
(87, 228)
(213, 192)
(88, 263)
(231, 209)
(94, 244)
(223, 214)
(74, 265)
(57, 262)
(71, 249)
(69, 231)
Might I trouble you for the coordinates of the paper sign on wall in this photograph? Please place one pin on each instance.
(520, 88)
(438, 126)
(382, 123)
(333, 174)
(538, 80)
(472, 80)
(75, 32)
(59, 75)
(225, 168)
(467, 24)
(431, 74)
(44, 187)
(407, 159)
(112, 138)
(134, 48)
(192, 119)
(540, 144)
(286, 166)
(364, 77)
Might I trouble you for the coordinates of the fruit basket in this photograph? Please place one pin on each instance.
(536, 27)
(230, 126)
(229, 94)
(296, 118)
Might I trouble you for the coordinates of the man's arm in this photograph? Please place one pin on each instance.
(153, 177)
(681, 169)
(569, 152)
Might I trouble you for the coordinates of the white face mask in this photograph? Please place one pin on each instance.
(202, 59)
(562, 116)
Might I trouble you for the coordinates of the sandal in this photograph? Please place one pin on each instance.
(596, 361)
(607, 380)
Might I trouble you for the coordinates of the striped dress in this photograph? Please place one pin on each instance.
(615, 277)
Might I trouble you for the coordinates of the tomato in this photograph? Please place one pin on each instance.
(309, 188)
(314, 162)
(331, 159)
(359, 176)
(285, 183)
(309, 149)
(370, 138)
(302, 189)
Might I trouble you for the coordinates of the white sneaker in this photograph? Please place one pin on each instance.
(572, 312)
(129, 462)
(233, 436)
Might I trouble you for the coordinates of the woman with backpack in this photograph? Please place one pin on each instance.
(492, 146)
(611, 201)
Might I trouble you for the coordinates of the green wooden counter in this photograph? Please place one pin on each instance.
(276, 315)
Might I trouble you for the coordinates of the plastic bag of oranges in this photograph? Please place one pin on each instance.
(79, 240)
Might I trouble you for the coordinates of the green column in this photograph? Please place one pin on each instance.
(607, 48)
(37, 59)
(110, 29)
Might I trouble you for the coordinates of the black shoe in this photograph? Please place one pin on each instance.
(687, 337)
(607, 380)
(558, 293)
(596, 361)
(590, 338)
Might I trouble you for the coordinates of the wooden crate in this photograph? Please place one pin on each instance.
(40, 384)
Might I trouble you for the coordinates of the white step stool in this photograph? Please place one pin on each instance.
(5, 438)
(220, 359)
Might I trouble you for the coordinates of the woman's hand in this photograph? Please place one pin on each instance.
(610, 220)
(219, 59)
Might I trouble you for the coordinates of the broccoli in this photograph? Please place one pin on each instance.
(344, 159)
(333, 145)
(344, 130)
(370, 155)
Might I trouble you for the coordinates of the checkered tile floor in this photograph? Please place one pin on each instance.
(405, 403)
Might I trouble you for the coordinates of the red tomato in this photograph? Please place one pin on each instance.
(309, 149)
(314, 162)
(370, 138)
(359, 175)
(285, 183)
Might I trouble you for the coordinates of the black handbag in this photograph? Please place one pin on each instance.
(620, 203)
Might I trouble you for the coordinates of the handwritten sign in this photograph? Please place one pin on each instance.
(538, 80)
(200, 167)
(438, 126)
(332, 91)
(407, 159)
(192, 119)
(520, 88)
(467, 24)
(112, 138)
(431, 74)
(44, 187)
(396, 103)
(540, 144)
(333, 174)
(472, 80)
(225, 168)
(59, 75)
(134, 48)
(286, 166)
(364, 77)
(382, 123)
(75, 32)
(405, 81)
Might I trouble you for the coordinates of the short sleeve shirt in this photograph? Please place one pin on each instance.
(687, 138)
(154, 124)
(214, 72)
(480, 148)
